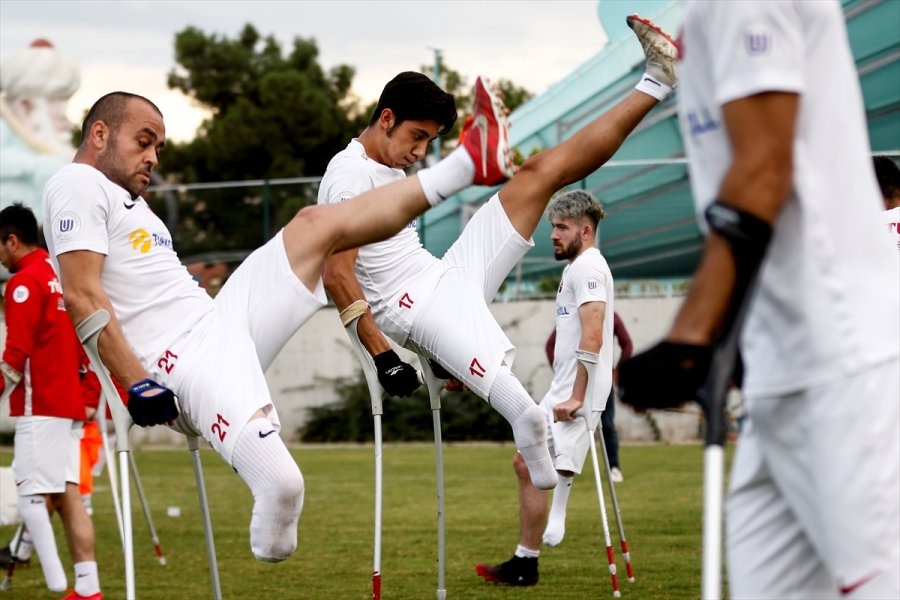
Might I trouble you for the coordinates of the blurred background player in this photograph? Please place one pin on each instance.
(584, 321)
(775, 132)
(42, 348)
(412, 293)
(888, 175)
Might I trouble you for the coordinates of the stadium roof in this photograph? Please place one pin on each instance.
(650, 230)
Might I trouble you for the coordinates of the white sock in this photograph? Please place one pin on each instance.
(33, 510)
(529, 426)
(652, 86)
(556, 522)
(523, 552)
(87, 583)
(25, 546)
(265, 464)
(452, 174)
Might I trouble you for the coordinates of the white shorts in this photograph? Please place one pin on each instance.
(219, 367)
(46, 454)
(455, 325)
(814, 505)
(568, 440)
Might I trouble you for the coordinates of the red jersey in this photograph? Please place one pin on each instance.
(41, 342)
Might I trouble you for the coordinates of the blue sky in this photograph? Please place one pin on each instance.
(129, 44)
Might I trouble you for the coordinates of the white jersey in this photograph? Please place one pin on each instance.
(892, 220)
(386, 270)
(827, 292)
(585, 279)
(154, 297)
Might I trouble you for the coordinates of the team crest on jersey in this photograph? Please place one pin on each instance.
(758, 40)
(67, 224)
(20, 294)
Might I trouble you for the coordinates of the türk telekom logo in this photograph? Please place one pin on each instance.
(140, 240)
(67, 224)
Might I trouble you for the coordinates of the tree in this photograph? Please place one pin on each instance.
(273, 115)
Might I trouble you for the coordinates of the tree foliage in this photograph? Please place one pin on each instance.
(274, 115)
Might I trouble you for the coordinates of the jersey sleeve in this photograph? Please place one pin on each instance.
(590, 283)
(343, 182)
(77, 211)
(758, 48)
(24, 310)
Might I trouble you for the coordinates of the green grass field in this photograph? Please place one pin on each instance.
(660, 501)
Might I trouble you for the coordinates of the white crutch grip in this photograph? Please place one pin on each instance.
(89, 334)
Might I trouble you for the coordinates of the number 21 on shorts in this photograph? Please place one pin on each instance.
(220, 427)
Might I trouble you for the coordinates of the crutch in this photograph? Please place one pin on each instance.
(154, 539)
(350, 319)
(114, 484)
(712, 399)
(626, 555)
(11, 379)
(434, 393)
(6, 584)
(589, 361)
(89, 332)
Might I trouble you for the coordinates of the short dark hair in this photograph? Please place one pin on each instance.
(18, 220)
(888, 174)
(110, 109)
(414, 97)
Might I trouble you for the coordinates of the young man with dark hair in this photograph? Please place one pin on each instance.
(166, 335)
(41, 360)
(439, 307)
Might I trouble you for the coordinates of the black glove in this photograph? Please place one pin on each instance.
(665, 376)
(439, 371)
(151, 404)
(395, 376)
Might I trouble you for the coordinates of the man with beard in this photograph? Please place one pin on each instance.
(584, 321)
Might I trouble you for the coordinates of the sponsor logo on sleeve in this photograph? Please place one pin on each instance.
(67, 224)
(592, 284)
(20, 294)
(344, 196)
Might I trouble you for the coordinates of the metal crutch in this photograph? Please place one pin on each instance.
(350, 319)
(6, 584)
(89, 333)
(626, 555)
(154, 538)
(589, 361)
(434, 393)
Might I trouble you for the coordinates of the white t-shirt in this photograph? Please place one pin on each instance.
(384, 269)
(585, 279)
(826, 304)
(156, 300)
(892, 220)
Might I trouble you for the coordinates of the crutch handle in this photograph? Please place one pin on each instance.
(350, 318)
(11, 379)
(89, 334)
(434, 383)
